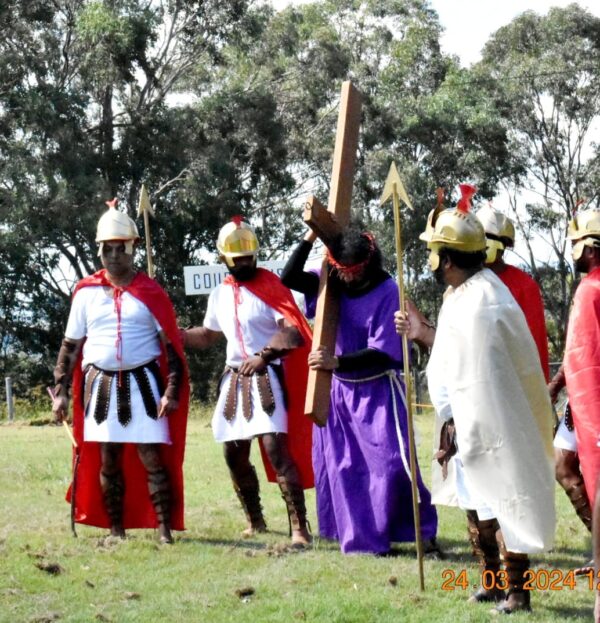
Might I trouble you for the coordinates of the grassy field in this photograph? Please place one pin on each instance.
(204, 576)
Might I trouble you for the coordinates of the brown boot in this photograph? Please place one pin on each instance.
(293, 496)
(113, 489)
(517, 598)
(482, 535)
(160, 495)
(579, 499)
(248, 492)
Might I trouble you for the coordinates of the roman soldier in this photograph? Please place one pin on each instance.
(122, 355)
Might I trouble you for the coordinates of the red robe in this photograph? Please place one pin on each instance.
(138, 511)
(527, 294)
(269, 289)
(582, 374)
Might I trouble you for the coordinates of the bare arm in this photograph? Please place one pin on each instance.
(169, 401)
(200, 337)
(415, 326)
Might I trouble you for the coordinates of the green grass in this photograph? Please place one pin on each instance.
(197, 578)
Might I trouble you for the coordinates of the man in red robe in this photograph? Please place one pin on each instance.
(130, 392)
(582, 363)
(500, 234)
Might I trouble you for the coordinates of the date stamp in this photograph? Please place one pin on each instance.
(535, 580)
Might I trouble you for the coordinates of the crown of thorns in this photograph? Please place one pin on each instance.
(354, 269)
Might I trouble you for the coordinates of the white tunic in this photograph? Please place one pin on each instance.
(93, 316)
(258, 324)
(485, 371)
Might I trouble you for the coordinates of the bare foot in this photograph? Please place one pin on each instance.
(301, 537)
(164, 534)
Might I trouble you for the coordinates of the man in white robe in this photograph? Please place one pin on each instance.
(485, 373)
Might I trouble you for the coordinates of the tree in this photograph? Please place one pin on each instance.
(544, 74)
(220, 109)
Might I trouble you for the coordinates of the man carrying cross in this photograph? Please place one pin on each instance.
(360, 457)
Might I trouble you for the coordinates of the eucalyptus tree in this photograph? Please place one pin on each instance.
(544, 73)
(85, 115)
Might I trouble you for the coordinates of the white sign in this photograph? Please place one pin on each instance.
(203, 279)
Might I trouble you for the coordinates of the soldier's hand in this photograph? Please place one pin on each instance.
(414, 325)
(252, 365)
(322, 359)
(60, 409)
(167, 406)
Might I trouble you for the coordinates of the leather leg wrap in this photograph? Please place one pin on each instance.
(293, 496)
(516, 565)
(159, 488)
(113, 488)
(482, 535)
(579, 499)
(247, 489)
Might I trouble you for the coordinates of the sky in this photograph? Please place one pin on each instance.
(469, 23)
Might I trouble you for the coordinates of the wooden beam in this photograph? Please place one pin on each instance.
(340, 196)
(323, 222)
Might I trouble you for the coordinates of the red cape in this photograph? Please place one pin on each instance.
(269, 289)
(582, 373)
(527, 294)
(138, 511)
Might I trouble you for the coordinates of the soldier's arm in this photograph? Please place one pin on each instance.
(63, 374)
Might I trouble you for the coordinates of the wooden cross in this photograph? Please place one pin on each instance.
(327, 224)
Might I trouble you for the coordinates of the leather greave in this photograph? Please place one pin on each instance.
(159, 488)
(482, 535)
(579, 499)
(516, 565)
(247, 489)
(293, 496)
(113, 489)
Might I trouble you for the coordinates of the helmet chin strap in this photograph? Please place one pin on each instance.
(434, 259)
(228, 261)
(492, 249)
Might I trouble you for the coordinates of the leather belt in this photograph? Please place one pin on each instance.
(265, 391)
(105, 381)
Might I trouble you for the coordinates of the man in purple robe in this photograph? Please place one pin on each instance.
(360, 458)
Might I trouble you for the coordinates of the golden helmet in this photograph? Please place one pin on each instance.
(236, 239)
(497, 224)
(455, 229)
(584, 224)
(582, 227)
(115, 225)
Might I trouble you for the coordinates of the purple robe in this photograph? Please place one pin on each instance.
(361, 457)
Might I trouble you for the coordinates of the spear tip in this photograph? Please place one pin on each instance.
(394, 186)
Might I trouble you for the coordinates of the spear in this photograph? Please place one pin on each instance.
(395, 189)
(75, 465)
(145, 208)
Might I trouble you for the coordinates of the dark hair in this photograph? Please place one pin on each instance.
(462, 259)
(352, 247)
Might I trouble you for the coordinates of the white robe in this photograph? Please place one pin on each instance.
(485, 371)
